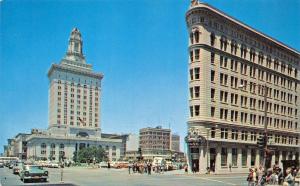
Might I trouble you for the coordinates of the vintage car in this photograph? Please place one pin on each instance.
(17, 168)
(1, 165)
(33, 172)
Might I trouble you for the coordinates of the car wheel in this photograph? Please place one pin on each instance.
(24, 180)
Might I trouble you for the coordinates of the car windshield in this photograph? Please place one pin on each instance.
(34, 167)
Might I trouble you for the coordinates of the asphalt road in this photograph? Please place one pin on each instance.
(115, 177)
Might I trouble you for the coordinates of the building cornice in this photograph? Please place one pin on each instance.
(73, 70)
(245, 26)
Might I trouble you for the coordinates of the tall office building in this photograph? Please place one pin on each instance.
(74, 91)
(175, 143)
(74, 110)
(239, 79)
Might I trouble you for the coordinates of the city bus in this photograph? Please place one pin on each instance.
(8, 159)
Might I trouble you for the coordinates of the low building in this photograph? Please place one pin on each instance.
(155, 142)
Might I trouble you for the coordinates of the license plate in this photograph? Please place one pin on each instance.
(36, 177)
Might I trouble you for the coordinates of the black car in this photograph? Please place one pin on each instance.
(1, 165)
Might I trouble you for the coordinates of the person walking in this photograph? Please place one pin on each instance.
(149, 168)
(129, 167)
(250, 178)
(289, 179)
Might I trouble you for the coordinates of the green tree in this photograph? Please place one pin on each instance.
(87, 155)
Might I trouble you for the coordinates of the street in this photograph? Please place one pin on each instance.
(114, 177)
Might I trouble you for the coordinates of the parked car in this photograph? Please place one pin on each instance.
(11, 165)
(1, 165)
(33, 172)
(103, 164)
(53, 165)
(17, 168)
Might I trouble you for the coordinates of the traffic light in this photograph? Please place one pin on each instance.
(261, 142)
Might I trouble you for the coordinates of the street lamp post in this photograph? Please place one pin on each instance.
(265, 136)
(207, 160)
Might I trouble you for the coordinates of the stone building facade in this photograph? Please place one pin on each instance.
(239, 79)
(155, 142)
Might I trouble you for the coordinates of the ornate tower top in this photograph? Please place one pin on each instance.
(194, 3)
(74, 52)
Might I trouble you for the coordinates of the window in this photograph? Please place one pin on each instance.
(223, 113)
(213, 132)
(212, 39)
(191, 74)
(212, 76)
(191, 56)
(224, 133)
(191, 111)
(212, 58)
(244, 157)
(224, 157)
(234, 157)
(191, 93)
(234, 134)
(212, 111)
(197, 35)
(191, 38)
(197, 73)
(212, 94)
(197, 51)
(197, 91)
(197, 110)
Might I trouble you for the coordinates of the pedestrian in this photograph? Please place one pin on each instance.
(186, 168)
(260, 178)
(297, 177)
(194, 168)
(289, 179)
(149, 168)
(250, 178)
(129, 167)
(230, 167)
(108, 165)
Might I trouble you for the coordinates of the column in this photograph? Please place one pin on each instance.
(202, 161)
(294, 156)
(218, 159)
(273, 160)
(239, 158)
(188, 157)
(280, 158)
(248, 157)
(229, 156)
(110, 153)
(257, 158)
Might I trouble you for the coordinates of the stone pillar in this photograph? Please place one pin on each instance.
(273, 160)
(110, 153)
(280, 158)
(218, 159)
(239, 158)
(248, 157)
(257, 158)
(202, 160)
(294, 156)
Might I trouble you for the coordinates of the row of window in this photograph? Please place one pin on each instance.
(72, 84)
(252, 136)
(243, 54)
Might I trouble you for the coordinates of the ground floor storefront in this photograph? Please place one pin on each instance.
(222, 157)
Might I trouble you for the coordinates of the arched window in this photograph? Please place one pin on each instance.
(223, 43)
(43, 145)
(212, 39)
(61, 146)
(197, 35)
(191, 38)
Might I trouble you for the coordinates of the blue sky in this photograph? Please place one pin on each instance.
(139, 45)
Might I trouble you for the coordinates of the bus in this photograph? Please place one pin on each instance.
(8, 159)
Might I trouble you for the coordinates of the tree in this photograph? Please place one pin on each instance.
(87, 155)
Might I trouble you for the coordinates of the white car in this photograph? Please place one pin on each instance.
(53, 165)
